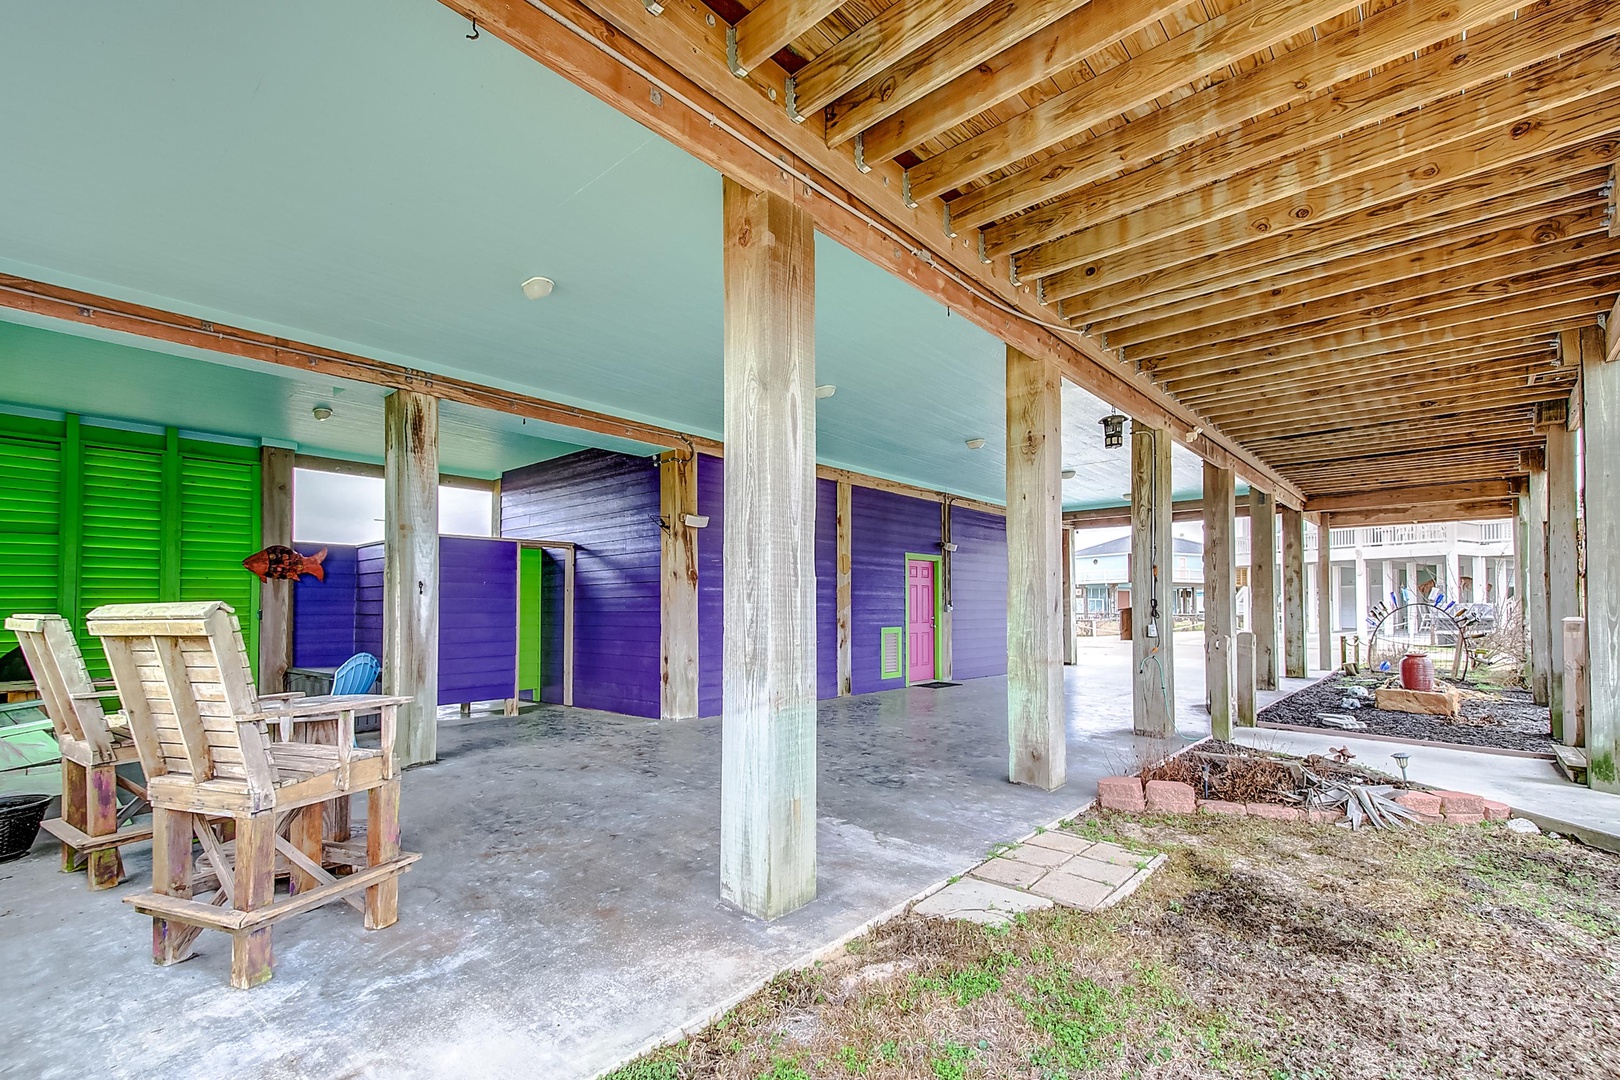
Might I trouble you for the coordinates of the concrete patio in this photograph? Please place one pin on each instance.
(566, 910)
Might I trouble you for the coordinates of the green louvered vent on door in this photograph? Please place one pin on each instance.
(123, 529)
(219, 527)
(30, 527)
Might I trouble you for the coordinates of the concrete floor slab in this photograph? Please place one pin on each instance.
(566, 911)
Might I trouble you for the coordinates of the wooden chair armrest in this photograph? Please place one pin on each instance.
(293, 696)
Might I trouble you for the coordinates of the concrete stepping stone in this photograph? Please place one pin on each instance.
(1061, 841)
(1008, 872)
(1037, 855)
(980, 902)
(1108, 873)
(1072, 890)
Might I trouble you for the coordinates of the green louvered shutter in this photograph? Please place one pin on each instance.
(219, 527)
(123, 536)
(30, 520)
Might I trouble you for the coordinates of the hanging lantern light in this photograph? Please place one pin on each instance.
(1113, 426)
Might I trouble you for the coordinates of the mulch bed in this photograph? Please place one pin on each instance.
(1506, 719)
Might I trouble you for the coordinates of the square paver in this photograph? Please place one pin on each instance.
(1103, 851)
(1061, 841)
(980, 902)
(1037, 856)
(1073, 891)
(1096, 870)
(1008, 872)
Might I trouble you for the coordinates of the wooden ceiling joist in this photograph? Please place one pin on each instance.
(1517, 357)
(1087, 30)
(1484, 510)
(1235, 35)
(1291, 79)
(1525, 196)
(1357, 173)
(765, 30)
(974, 40)
(1393, 497)
(1516, 255)
(1594, 279)
(898, 29)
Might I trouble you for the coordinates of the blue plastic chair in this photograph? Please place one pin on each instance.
(357, 675)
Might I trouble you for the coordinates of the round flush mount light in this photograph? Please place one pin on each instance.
(321, 412)
(826, 390)
(538, 288)
(1068, 474)
(975, 444)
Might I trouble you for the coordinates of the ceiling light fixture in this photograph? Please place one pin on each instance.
(975, 444)
(1068, 474)
(322, 412)
(826, 390)
(538, 288)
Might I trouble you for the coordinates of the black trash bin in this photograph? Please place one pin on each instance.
(20, 816)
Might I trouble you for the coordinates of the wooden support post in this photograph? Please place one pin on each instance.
(1293, 580)
(768, 743)
(171, 876)
(1324, 592)
(411, 568)
(276, 595)
(254, 888)
(1561, 566)
(1263, 586)
(1220, 604)
(1245, 680)
(1601, 406)
(382, 845)
(1153, 657)
(678, 586)
(845, 592)
(1067, 555)
(1535, 595)
(1575, 682)
(1037, 749)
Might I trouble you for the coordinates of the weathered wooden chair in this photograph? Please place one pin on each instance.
(93, 745)
(183, 673)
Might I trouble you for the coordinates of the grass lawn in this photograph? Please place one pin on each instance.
(1258, 950)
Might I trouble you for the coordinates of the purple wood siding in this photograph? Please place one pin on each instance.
(323, 611)
(711, 485)
(368, 601)
(711, 500)
(607, 504)
(477, 619)
(978, 594)
(826, 589)
(885, 527)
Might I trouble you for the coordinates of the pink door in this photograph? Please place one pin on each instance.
(920, 620)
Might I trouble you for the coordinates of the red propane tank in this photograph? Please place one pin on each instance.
(1417, 672)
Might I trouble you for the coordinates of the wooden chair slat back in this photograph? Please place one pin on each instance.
(63, 680)
(189, 666)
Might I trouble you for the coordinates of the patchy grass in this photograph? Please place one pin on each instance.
(1274, 953)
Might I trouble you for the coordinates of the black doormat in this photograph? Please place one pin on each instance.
(937, 685)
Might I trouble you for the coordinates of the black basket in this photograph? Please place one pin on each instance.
(20, 816)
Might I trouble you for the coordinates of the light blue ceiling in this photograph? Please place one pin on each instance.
(361, 176)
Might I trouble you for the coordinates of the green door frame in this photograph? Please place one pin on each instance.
(939, 615)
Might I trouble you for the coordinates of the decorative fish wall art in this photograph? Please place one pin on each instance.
(283, 563)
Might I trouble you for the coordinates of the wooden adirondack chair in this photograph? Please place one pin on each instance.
(183, 673)
(93, 745)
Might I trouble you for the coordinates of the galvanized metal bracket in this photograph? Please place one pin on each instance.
(793, 102)
(1012, 270)
(860, 155)
(731, 54)
(653, 7)
(950, 230)
(905, 190)
(982, 256)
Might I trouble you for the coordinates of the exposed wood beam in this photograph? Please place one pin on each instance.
(976, 39)
(1266, 381)
(1486, 510)
(1422, 314)
(1114, 516)
(1228, 38)
(738, 127)
(774, 23)
(1379, 206)
(40, 298)
(1526, 196)
(1043, 54)
(1414, 404)
(1389, 498)
(1463, 136)
(874, 45)
(1290, 79)
(1466, 427)
(1514, 255)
